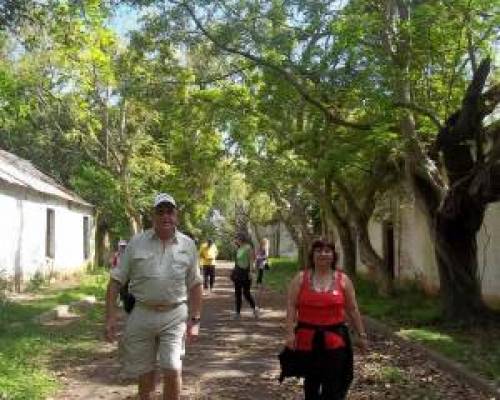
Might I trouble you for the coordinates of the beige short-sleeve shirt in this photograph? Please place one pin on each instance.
(159, 274)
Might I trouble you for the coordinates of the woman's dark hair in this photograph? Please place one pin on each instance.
(321, 244)
(242, 237)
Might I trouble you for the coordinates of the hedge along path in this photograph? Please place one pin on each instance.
(238, 360)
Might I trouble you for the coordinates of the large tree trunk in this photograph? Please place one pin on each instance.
(360, 217)
(348, 244)
(345, 234)
(456, 254)
(101, 246)
(375, 263)
(461, 214)
(334, 217)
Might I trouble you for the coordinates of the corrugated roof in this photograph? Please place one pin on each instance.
(20, 172)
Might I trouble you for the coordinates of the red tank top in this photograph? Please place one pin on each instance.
(321, 309)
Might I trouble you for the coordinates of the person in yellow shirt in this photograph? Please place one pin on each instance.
(208, 255)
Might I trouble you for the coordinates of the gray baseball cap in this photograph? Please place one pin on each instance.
(164, 198)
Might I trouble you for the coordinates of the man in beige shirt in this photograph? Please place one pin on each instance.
(162, 266)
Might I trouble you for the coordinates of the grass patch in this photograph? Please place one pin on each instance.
(281, 271)
(417, 317)
(30, 353)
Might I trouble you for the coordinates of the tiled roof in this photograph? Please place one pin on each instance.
(20, 172)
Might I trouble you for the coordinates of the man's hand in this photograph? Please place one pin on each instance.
(193, 331)
(111, 329)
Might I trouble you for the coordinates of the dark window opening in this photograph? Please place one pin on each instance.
(50, 236)
(389, 248)
(86, 237)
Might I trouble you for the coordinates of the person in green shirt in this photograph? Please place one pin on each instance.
(241, 274)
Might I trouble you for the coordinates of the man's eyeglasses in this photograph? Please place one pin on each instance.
(164, 210)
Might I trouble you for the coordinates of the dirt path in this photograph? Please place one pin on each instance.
(237, 360)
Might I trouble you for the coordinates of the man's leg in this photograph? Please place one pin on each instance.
(172, 382)
(147, 386)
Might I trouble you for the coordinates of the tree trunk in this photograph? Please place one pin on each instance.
(278, 240)
(348, 245)
(255, 228)
(456, 254)
(373, 261)
(333, 217)
(101, 247)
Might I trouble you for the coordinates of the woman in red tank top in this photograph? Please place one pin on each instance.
(320, 300)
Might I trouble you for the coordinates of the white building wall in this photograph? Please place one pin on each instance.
(32, 226)
(275, 232)
(415, 259)
(9, 233)
(23, 234)
(287, 245)
(489, 254)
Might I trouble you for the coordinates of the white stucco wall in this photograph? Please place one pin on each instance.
(489, 253)
(286, 245)
(9, 233)
(415, 259)
(414, 253)
(23, 233)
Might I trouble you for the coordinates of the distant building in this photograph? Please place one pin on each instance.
(45, 228)
(281, 243)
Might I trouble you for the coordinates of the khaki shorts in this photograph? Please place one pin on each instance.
(151, 338)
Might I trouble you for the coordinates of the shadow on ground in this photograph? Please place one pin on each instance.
(237, 359)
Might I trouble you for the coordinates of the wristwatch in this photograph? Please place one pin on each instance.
(195, 320)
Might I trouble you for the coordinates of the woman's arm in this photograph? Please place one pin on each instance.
(353, 313)
(291, 310)
(251, 258)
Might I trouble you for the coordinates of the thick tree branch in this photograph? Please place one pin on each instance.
(287, 75)
(421, 110)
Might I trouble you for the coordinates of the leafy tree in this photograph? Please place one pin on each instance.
(424, 51)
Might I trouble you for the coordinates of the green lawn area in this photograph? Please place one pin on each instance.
(417, 317)
(30, 353)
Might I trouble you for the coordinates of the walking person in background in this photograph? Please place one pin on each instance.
(162, 267)
(320, 299)
(115, 260)
(208, 255)
(126, 298)
(261, 262)
(241, 274)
